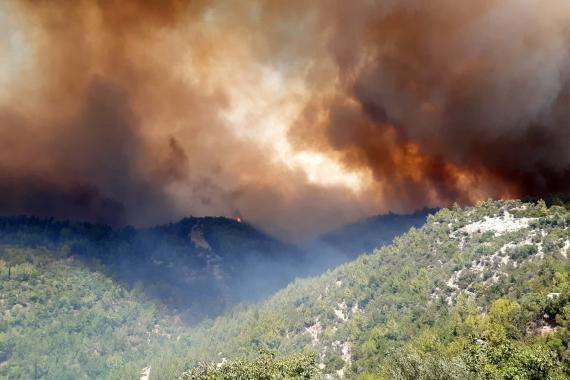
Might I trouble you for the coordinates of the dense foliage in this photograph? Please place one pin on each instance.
(266, 366)
(197, 266)
(61, 320)
(478, 293)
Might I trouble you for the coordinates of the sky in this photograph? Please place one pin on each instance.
(296, 116)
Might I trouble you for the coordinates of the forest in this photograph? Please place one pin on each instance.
(476, 293)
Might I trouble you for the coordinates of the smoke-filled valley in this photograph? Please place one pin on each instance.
(477, 293)
(206, 189)
(198, 267)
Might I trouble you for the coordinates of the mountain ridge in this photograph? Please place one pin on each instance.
(475, 293)
(201, 265)
(375, 311)
(197, 279)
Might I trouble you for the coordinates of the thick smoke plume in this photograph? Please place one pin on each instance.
(296, 115)
(452, 100)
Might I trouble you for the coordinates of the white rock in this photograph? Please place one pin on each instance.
(314, 331)
(145, 373)
(497, 224)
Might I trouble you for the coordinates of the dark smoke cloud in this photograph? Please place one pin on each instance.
(88, 169)
(116, 111)
(72, 141)
(449, 101)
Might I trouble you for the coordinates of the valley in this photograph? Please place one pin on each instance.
(442, 297)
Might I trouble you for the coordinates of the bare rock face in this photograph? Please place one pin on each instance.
(197, 237)
(145, 373)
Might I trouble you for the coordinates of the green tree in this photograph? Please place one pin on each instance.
(266, 366)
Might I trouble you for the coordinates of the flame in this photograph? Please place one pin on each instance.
(238, 219)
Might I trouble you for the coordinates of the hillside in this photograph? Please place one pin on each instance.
(347, 242)
(106, 303)
(197, 266)
(480, 292)
(61, 320)
(475, 293)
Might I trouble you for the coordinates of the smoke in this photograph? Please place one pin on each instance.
(451, 101)
(298, 116)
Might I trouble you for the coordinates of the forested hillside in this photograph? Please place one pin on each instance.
(197, 267)
(477, 293)
(61, 320)
(84, 301)
(348, 242)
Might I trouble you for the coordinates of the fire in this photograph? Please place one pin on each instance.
(238, 219)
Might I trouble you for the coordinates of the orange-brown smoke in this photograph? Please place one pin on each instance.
(125, 111)
(450, 101)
